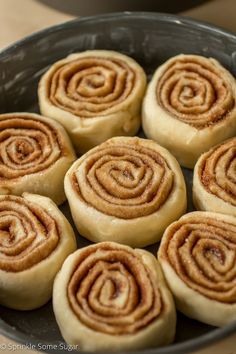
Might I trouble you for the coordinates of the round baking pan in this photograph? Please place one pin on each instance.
(150, 38)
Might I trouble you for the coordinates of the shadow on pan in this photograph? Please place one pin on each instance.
(91, 7)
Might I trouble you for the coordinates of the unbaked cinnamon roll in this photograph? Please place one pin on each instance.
(126, 190)
(35, 239)
(198, 255)
(190, 106)
(95, 95)
(111, 297)
(35, 154)
(214, 181)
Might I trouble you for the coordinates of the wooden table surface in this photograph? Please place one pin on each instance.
(18, 18)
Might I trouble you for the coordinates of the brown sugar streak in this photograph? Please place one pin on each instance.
(28, 234)
(202, 251)
(112, 291)
(194, 91)
(27, 146)
(126, 181)
(217, 171)
(91, 86)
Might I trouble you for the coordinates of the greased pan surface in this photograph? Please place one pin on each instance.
(150, 39)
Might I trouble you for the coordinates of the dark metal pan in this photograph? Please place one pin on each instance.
(150, 38)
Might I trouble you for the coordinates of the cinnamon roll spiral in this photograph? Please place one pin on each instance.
(214, 182)
(35, 239)
(95, 95)
(190, 106)
(114, 295)
(131, 187)
(197, 255)
(35, 153)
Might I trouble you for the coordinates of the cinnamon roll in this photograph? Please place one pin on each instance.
(35, 239)
(114, 296)
(95, 95)
(198, 255)
(214, 181)
(190, 106)
(126, 190)
(35, 153)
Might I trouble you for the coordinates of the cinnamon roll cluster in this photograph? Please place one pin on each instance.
(123, 192)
